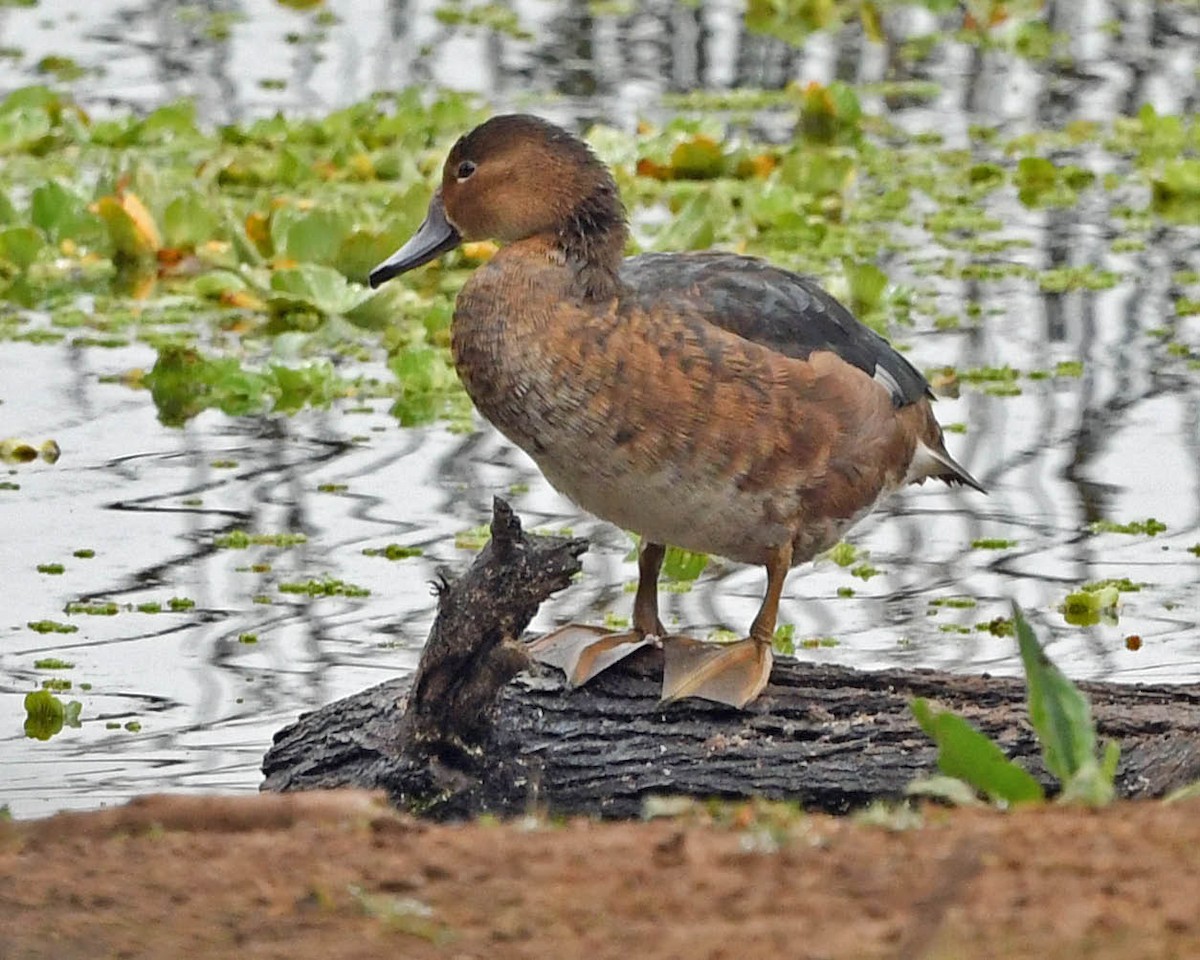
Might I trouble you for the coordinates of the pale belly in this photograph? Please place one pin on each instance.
(702, 514)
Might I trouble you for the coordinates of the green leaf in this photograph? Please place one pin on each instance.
(867, 283)
(1062, 718)
(1058, 711)
(309, 235)
(967, 754)
(427, 380)
(316, 286)
(679, 564)
(62, 213)
(189, 220)
(71, 712)
(20, 129)
(44, 715)
(8, 213)
(20, 245)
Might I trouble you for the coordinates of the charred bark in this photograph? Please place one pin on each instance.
(479, 729)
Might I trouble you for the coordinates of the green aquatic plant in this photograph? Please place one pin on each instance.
(240, 540)
(51, 626)
(326, 587)
(1059, 714)
(1096, 602)
(393, 551)
(46, 714)
(54, 663)
(1149, 527)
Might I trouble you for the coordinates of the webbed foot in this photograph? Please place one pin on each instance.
(729, 673)
(583, 652)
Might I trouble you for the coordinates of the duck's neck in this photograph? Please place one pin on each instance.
(592, 242)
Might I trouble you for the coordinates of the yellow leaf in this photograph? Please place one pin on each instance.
(872, 22)
(480, 251)
(130, 226)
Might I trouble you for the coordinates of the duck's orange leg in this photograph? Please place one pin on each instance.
(729, 673)
(582, 651)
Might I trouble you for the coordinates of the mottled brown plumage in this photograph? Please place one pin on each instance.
(707, 401)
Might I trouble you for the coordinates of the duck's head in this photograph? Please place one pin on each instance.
(513, 177)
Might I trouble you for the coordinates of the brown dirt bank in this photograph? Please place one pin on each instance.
(333, 875)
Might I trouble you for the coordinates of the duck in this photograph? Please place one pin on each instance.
(703, 400)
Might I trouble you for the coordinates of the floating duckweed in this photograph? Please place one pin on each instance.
(864, 571)
(954, 603)
(993, 543)
(54, 569)
(1062, 279)
(1002, 374)
(247, 638)
(1150, 527)
(51, 626)
(784, 640)
(1121, 585)
(54, 663)
(180, 604)
(133, 726)
(845, 591)
(393, 551)
(997, 627)
(473, 539)
(151, 606)
(613, 621)
(108, 609)
(843, 554)
(46, 714)
(328, 587)
(58, 684)
(816, 643)
(1087, 607)
(240, 540)
(683, 565)
(84, 554)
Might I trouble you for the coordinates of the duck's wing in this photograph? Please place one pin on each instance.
(780, 310)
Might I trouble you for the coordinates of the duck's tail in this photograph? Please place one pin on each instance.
(931, 459)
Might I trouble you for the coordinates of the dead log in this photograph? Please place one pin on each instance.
(479, 729)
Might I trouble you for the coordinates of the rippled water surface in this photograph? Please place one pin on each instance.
(1119, 442)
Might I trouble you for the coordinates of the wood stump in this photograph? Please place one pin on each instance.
(481, 729)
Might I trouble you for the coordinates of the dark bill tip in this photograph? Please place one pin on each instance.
(433, 238)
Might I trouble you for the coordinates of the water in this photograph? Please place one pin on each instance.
(1119, 442)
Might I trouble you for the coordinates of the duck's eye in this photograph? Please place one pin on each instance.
(465, 169)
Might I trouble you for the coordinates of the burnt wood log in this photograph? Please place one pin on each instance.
(480, 729)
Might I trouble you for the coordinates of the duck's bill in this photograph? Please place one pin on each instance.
(433, 238)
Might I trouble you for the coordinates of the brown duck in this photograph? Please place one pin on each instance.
(705, 400)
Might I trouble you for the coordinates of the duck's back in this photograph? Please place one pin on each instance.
(717, 403)
(786, 312)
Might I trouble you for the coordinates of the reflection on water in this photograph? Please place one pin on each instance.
(1120, 442)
